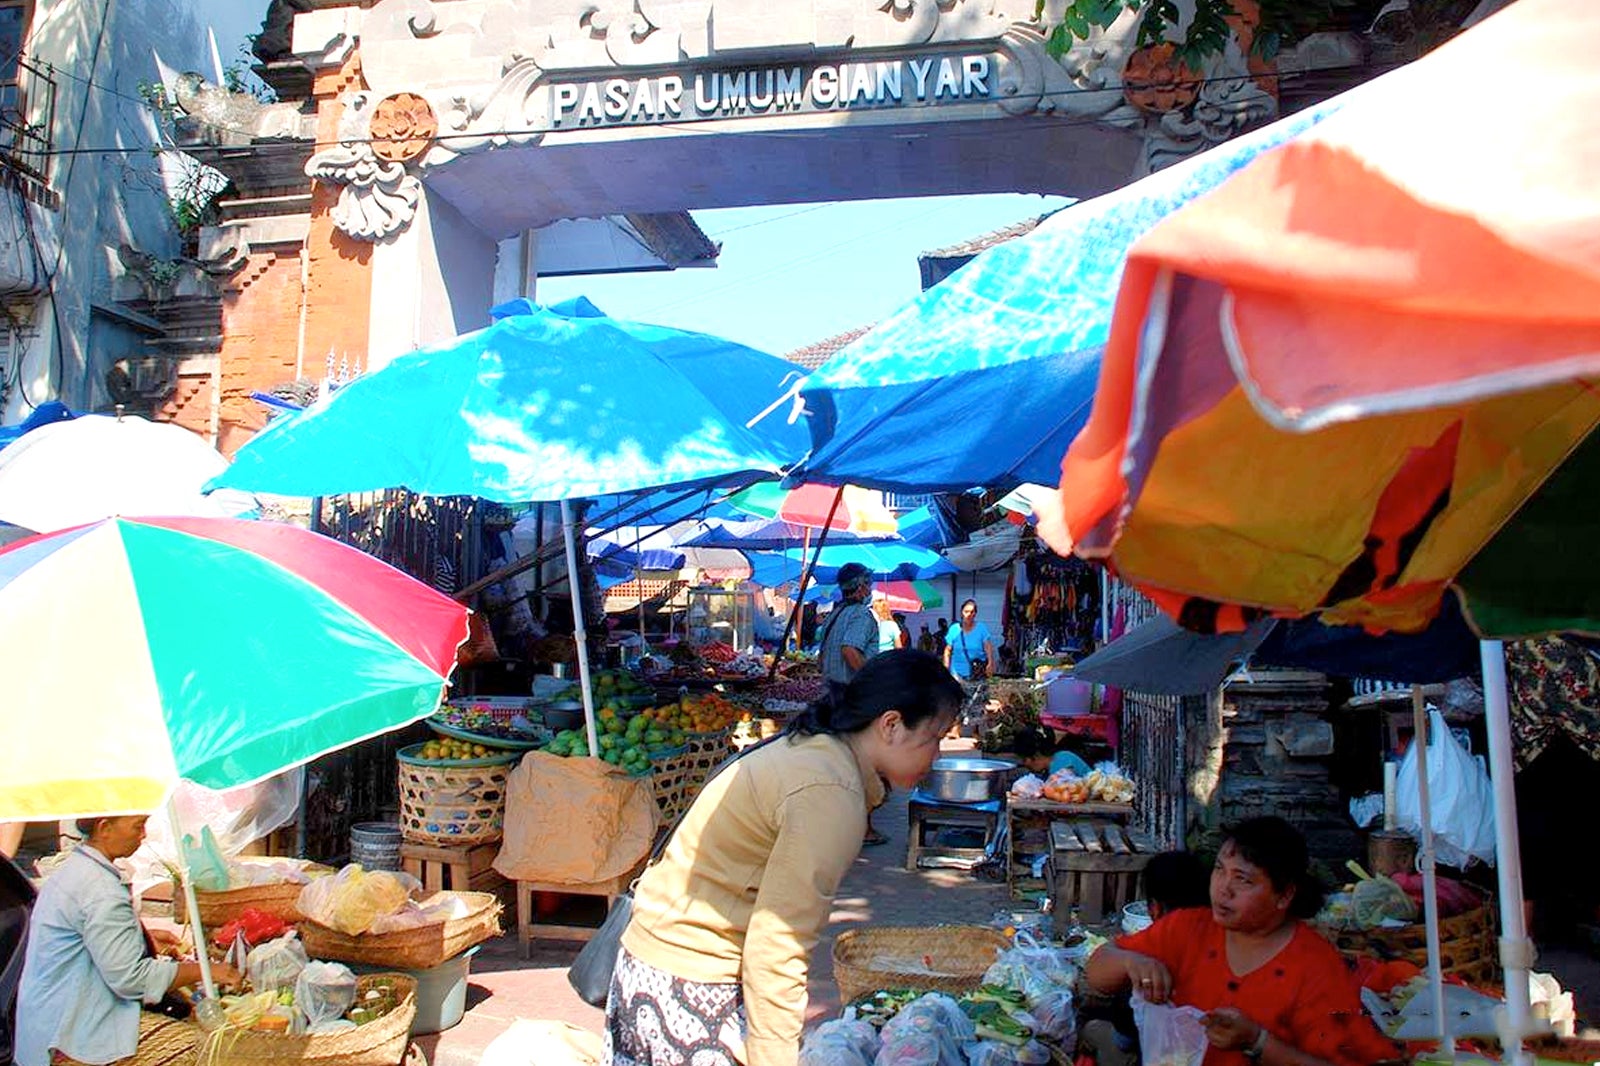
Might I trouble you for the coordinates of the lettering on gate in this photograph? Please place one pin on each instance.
(917, 81)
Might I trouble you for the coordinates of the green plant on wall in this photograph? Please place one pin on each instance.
(1281, 22)
(191, 187)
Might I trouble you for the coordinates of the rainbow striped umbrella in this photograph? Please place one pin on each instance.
(143, 651)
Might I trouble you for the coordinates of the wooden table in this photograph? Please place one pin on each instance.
(1095, 867)
(1031, 817)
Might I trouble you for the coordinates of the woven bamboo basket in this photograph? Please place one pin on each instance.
(164, 1041)
(381, 1042)
(453, 803)
(938, 958)
(1468, 944)
(671, 786)
(408, 949)
(219, 908)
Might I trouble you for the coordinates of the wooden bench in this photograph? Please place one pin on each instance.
(1028, 830)
(923, 817)
(529, 929)
(464, 869)
(1095, 866)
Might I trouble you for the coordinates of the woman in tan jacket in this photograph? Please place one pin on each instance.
(713, 963)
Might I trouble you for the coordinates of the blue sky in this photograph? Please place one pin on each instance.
(794, 274)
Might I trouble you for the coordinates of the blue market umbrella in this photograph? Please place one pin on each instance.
(554, 403)
(772, 534)
(888, 562)
(985, 378)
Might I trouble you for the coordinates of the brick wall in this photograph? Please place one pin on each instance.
(260, 341)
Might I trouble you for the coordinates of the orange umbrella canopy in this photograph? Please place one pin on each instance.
(1332, 381)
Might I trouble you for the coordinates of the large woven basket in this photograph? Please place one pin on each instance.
(939, 958)
(453, 802)
(409, 949)
(1468, 944)
(219, 908)
(381, 1042)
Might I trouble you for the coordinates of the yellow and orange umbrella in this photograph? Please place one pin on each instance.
(1334, 380)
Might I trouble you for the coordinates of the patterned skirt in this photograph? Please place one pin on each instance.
(656, 1019)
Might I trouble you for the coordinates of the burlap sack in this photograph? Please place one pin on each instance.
(574, 821)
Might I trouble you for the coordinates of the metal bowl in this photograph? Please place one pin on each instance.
(967, 780)
(563, 714)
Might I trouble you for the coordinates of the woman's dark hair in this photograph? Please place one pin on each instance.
(1279, 850)
(906, 680)
(964, 603)
(1177, 879)
(1030, 741)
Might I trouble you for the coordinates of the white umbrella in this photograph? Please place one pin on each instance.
(95, 466)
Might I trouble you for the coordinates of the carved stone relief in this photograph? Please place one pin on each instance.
(378, 196)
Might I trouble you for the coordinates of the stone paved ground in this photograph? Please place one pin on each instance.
(878, 890)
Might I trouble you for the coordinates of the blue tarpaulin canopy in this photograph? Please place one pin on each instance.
(545, 404)
(888, 562)
(985, 378)
(772, 534)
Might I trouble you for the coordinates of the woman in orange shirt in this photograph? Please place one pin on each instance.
(1274, 991)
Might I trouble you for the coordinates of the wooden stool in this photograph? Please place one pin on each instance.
(528, 929)
(1095, 866)
(923, 816)
(464, 869)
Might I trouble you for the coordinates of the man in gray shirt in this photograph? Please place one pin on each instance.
(849, 639)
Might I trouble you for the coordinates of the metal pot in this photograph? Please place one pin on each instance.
(967, 780)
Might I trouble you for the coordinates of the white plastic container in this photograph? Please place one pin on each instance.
(1136, 916)
(441, 992)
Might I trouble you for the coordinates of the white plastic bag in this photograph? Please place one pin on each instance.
(842, 1042)
(1055, 1015)
(324, 992)
(1032, 969)
(277, 963)
(930, 1031)
(995, 1053)
(1169, 1035)
(1459, 793)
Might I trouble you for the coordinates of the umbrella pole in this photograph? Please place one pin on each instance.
(193, 906)
(805, 578)
(580, 635)
(1430, 876)
(1516, 950)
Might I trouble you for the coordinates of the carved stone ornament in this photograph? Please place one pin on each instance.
(379, 197)
(402, 127)
(1157, 81)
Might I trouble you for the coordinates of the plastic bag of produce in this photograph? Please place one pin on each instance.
(996, 1053)
(1377, 900)
(1055, 1015)
(1169, 1035)
(277, 963)
(324, 991)
(353, 899)
(1032, 969)
(1028, 786)
(841, 1043)
(932, 1031)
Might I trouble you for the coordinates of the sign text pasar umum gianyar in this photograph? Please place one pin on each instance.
(772, 90)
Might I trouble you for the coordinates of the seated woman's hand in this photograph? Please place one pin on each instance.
(1149, 977)
(225, 976)
(1231, 1029)
(165, 942)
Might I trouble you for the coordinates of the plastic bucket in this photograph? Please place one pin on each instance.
(375, 845)
(441, 992)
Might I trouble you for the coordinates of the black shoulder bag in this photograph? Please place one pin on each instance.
(590, 972)
(976, 671)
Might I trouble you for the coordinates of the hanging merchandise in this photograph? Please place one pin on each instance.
(1462, 795)
(1054, 602)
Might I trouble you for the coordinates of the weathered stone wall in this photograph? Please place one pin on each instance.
(1267, 748)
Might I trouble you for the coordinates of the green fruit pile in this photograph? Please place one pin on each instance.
(620, 744)
(451, 748)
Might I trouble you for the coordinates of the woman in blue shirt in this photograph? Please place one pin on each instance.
(969, 642)
(88, 968)
(1039, 755)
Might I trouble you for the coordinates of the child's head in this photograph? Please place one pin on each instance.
(1174, 880)
(1034, 749)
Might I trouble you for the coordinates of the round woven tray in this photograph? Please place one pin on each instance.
(939, 958)
(381, 1042)
(408, 949)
